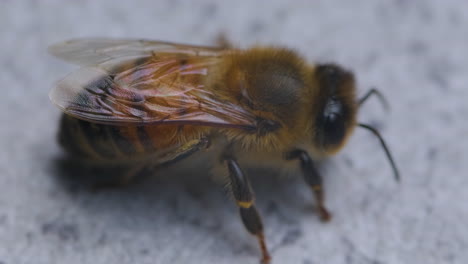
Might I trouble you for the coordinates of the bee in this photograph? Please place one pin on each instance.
(152, 103)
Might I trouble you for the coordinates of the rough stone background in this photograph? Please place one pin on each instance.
(415, 52)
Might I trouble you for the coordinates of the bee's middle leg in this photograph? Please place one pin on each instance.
(313, 179)
(240, 187)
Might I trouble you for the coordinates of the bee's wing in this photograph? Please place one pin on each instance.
(152, 88)
(93, 51)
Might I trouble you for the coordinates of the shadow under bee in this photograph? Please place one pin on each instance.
(72, 173)
(185, 197)
(189, 177)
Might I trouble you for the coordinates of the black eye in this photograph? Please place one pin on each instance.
(332, 123)
(333, 129)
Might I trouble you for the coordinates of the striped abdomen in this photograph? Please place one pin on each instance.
(92, 141)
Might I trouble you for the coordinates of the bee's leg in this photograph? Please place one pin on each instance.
(143, 169)
(242, 192)
(313, 179)
(169, 158)
(183, 151)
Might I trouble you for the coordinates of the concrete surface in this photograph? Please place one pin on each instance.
(414, 51)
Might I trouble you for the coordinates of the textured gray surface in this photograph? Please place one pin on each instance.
(414, 51)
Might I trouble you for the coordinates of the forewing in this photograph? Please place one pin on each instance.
(94, 51)
(156, 88)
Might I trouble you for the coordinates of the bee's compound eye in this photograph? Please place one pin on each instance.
(332, 123)
(334, 129)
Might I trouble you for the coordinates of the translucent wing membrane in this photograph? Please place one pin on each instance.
(95, 51)
(135, 82)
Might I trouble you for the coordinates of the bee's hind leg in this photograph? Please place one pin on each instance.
(182, 152)
(313, 179)
(240, 187)
(141, 170)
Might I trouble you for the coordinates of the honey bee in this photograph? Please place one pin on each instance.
(151, 103)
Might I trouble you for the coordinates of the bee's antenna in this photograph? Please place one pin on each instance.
(387, 152)
(378, 94)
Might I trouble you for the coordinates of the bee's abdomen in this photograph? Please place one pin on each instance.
(103, 142)
(92, 141)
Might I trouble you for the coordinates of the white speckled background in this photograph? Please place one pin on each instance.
(416, 52)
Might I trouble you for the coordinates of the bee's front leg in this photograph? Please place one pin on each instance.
(240, 187)
(313, 179)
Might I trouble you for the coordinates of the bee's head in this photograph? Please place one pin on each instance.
(336, 108)
(335, 111)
